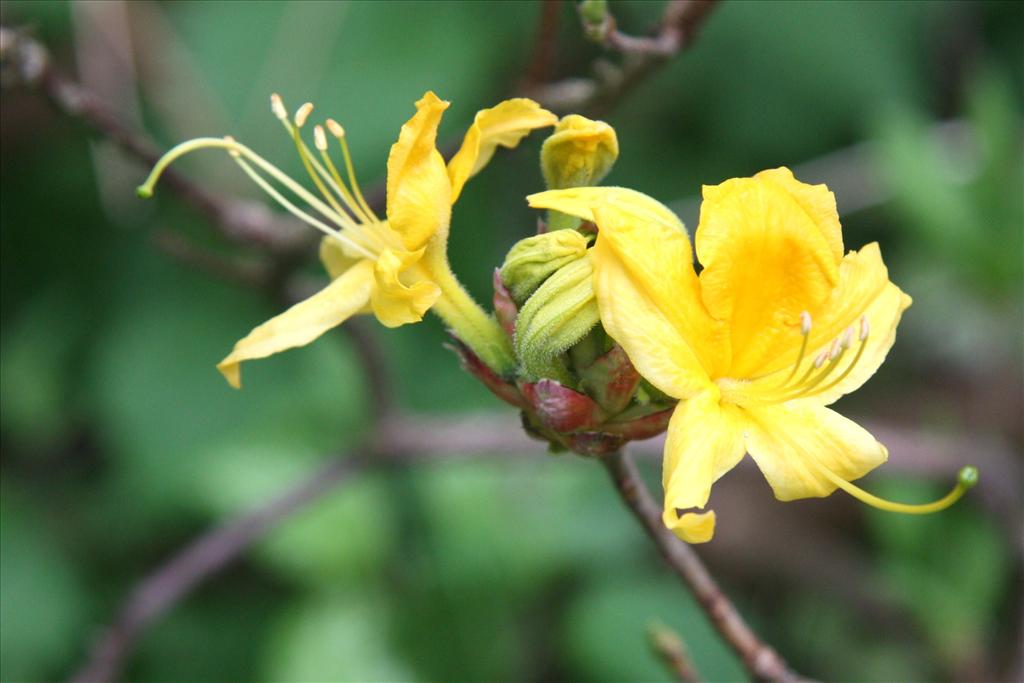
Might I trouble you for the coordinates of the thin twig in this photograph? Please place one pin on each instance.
(760, 660)
(545, 44)
(27, 63)
(393, 441)
(671, 650)
(640, 57)
(199, 560)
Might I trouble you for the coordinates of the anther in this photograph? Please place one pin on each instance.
(833, 351)
(302, 114)
(277, 106)
(865, 328)
(805, 323)
(335, 128)
(820, 360)
(319, 139)
(847, 339)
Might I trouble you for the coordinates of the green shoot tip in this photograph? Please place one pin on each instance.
(143, 192)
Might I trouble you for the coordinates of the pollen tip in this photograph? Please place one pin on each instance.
(865, 328)
(805, 323)
(820, 360)
(833, 350)
(143, 192)
(847, 339)
(303, 113)
(319, 138)
(277, 106)
(968, 476)
(335, 128)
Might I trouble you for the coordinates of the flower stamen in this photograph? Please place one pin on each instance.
(339, 132)
(805, 331)
(294, 210)
(338, 184)
(966, 479)
(307, 161)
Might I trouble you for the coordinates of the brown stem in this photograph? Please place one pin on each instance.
(760, 660)
(671, 649)
(154, 595)
(545, 44)
(641, 57)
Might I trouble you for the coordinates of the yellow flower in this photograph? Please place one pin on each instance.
(778, 325)
(396, 267)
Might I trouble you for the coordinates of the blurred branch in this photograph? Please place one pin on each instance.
(159, 591)
(640, 56)
(760, 660)
(25, 62)
(404, 440)
(671, 649)
(545, 44)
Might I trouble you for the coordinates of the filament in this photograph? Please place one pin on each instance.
(299, 213)
(350, 169)
(966, 478)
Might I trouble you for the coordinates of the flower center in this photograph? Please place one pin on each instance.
(805, 377)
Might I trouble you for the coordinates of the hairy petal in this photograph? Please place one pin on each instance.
(394, 302)
(792, 443)
(631, 314)
(650, 286)
(418, 191)
(766, 260)
(582, 201)
(303, 322)
(816, 200)
(705, 440)
(504, 124)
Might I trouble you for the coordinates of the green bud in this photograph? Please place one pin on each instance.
(594, 14)
(556, 316)
(533, 260)
(580, 153)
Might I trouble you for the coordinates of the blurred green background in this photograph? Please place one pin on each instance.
(120, 442)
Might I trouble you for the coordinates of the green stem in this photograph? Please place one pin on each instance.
(471, 323)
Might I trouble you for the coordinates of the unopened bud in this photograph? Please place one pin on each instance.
(556, 316)
(580, 153)
(533, 260)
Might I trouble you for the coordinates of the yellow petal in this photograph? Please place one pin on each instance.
(336, 261)
(394, 302)
(692, 527)
(504, 124)
(816, 200)
(640, 317)
(581, 202)
(864, 290)
(303, 322)
(766, 260)
(793, 443)
(705, 440)
(418, 192)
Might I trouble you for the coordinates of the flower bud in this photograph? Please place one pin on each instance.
(533, 260)
(579, 153)
(555, 317)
